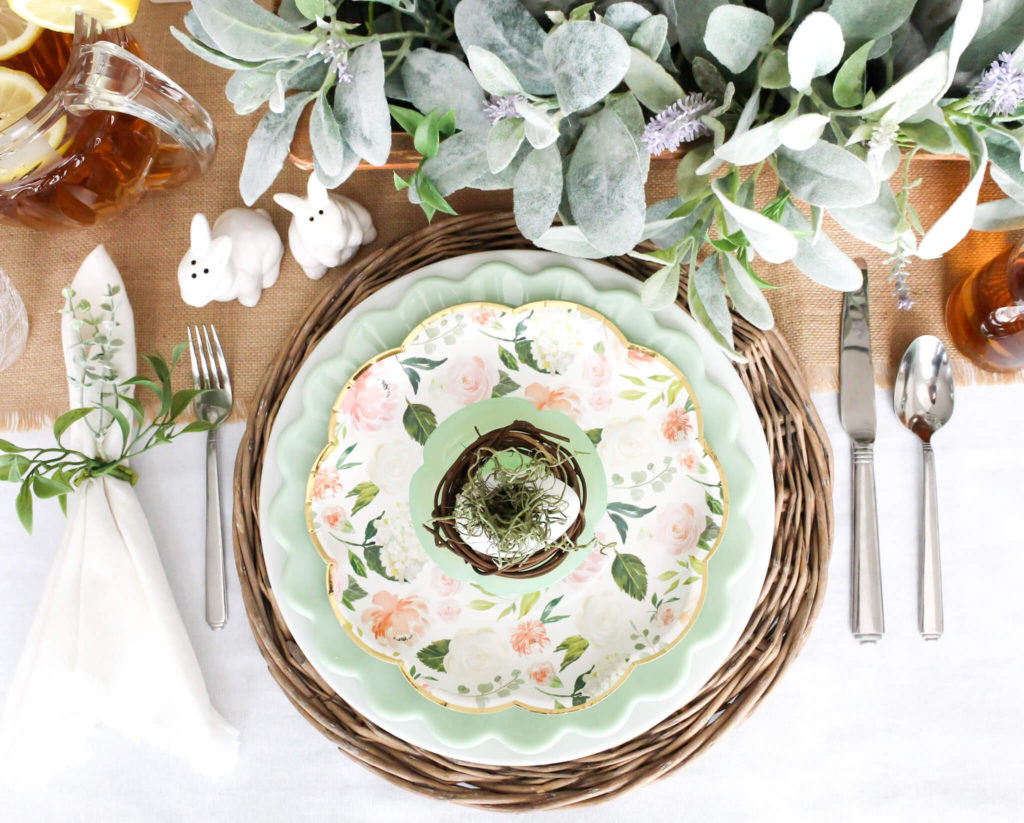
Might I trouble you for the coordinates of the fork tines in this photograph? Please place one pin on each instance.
(209, 368)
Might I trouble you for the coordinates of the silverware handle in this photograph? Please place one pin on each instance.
(930, 596)
(216, 583)
(866, 601)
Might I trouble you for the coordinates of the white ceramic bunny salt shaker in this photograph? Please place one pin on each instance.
(239, 258)
(326, 229)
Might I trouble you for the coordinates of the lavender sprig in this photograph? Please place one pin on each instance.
(502, 108)
(677, 124)
(1001, 88)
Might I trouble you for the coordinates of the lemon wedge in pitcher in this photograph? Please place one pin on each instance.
(19, 93)
(59, 16)
(16, 33)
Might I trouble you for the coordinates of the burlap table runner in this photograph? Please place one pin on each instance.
(147, 242)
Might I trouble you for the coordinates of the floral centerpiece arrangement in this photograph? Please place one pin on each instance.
(565, 103)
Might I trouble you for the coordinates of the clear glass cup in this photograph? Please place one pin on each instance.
(985, 313)
(110, 128)
(13, 322)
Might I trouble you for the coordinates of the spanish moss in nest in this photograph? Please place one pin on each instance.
(509, 501)
(499, 489)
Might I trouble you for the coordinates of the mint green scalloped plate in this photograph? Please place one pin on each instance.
(520, 736)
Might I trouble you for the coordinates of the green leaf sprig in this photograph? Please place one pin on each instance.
(426, 131)
(56, 471)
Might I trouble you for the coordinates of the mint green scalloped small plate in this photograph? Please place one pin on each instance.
(515, 735)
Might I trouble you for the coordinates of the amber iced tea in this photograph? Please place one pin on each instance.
(983, 314)
(103, 160)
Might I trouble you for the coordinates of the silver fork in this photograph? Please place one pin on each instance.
(210, 373)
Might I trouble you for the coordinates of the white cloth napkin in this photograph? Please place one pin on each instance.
(107, 644)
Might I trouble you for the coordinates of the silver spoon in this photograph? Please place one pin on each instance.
(923, 399)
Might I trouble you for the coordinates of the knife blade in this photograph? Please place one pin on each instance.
(857, 414)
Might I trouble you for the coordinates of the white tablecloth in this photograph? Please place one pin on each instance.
(901, 731)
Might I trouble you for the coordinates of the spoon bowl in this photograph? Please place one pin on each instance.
(923, 400)
(923, 393)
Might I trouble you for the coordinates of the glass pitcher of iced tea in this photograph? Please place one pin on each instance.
(985, 312)
(110, 128)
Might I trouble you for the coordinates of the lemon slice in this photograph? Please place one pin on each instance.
(16, 33)
(52, 14)
(19, 93)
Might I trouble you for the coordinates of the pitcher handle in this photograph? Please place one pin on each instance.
(115, 80)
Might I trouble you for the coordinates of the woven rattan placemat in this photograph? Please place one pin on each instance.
(789, 602)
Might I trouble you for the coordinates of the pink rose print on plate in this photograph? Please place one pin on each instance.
(689, 460)
(449, 610)
(600, 400)
(589, 567)
(666, 615)
(635, 355)
(563, 400)
(445, 585)
(677, 528)
(396, 620)
(528, 637)
(326, 483)
(596, 371)
(335, 517)
(677, 425)
(482, 316)
(369, 404)
(541, 673)
(468, 380)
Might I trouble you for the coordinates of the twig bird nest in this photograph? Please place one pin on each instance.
(512, 504)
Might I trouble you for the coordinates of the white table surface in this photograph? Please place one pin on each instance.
(901, 731)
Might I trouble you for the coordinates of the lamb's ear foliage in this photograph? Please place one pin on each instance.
(566, 105)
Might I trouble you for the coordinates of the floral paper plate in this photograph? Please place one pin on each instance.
(570, 638)
(377, 689)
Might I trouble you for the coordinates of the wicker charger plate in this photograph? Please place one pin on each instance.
(790, 599)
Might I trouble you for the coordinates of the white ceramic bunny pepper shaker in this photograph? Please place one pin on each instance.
(239, 258)
(326, 229)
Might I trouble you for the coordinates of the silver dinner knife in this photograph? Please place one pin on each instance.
(857, 413)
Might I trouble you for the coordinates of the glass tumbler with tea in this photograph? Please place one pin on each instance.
(985, 313)
(13, 322)
(109, 128)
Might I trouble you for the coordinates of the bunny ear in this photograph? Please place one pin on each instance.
(200, 232)
(220, 250)
(316, 190)
(289, 202)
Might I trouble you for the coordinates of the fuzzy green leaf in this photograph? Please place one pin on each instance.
(491, 73)
(650, 82)
(815, 49)
(537, 191)
(848, 87)
(735, 35)
(827, 175)
(605, 185)
(244, 30)
(587, 61)
(503, 141)
(746, 296)
(268, 147)
(361, 106)
(507, 29)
